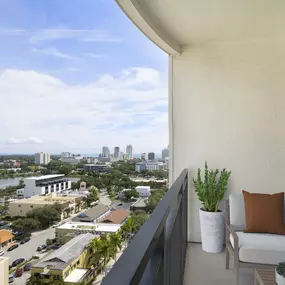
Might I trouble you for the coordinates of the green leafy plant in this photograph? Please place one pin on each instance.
(280, 269)
(211, 191)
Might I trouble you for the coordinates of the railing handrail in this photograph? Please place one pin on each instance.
(130, 267)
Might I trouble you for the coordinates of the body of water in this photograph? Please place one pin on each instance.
(15, 181)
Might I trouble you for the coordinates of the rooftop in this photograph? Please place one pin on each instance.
(117, 216)
(44, 200)
(91, 214)
(44, 177)
(64, 256)
(98, 227)
(76, 275)
(5, 235)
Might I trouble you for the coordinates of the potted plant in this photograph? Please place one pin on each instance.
(211, 192)
(280, 274)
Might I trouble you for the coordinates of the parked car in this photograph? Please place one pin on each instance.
(41, 247)
(11, 278)
(27, 266)
(12, 247)
(1, 252)
(18, 261)
(19, 272)
(55, 246)
(23, 241)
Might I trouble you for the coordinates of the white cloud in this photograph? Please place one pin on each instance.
(30, 140)
(130, 107)
(41, 35)
(53, 52)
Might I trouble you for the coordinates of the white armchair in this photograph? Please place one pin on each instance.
(255, 250)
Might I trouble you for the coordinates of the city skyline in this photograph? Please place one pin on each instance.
(73, 79)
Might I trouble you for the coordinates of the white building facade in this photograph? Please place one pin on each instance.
(144, 191)
(46, 184)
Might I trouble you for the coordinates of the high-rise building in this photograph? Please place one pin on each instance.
(66, 154)
(46, 158)
(105, 152)
(42, 158)
(143, 156)
(129, 151)
(116, 152)
(151, 156)
(165, 153)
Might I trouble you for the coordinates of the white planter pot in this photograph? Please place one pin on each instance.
(280, 280)
(212, 231)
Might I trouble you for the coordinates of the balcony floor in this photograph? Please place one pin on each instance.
(203, 268)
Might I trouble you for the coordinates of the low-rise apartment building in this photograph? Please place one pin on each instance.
(45, 184)
(96, 167)
(70, 262)
(150, 166)
(23, 206)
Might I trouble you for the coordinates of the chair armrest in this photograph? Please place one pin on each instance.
(231, 231)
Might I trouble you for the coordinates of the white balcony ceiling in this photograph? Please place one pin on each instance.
(185, 22)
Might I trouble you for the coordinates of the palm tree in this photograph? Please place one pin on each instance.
(116, 242)
(33, 280)
(95, 246)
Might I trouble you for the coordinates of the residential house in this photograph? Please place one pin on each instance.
(6, 237)
(144, 191)
(117, 216)
(95, 214)
(68, 262)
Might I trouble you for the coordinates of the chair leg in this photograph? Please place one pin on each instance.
(237, 273)
(227, 258)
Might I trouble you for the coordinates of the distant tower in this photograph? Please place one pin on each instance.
(42, 158)
(151, 156)
(143, 156)
(105, 152)
(116, 152)
(165, 153)
(129, 151)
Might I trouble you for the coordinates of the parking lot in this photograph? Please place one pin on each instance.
(27, 250)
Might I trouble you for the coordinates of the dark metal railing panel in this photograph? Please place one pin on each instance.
(156, 255)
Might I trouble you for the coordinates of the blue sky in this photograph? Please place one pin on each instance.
(78, 75)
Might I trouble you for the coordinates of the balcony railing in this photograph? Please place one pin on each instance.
(156, 255)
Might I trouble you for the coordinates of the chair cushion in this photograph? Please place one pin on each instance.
(264, 213)
(260, 248)
(237, 213)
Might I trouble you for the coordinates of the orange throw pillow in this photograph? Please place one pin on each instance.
(264, 213)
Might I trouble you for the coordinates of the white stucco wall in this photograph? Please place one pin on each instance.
(228, 107)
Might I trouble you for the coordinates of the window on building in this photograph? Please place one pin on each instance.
(31, 206)
(19, 206)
